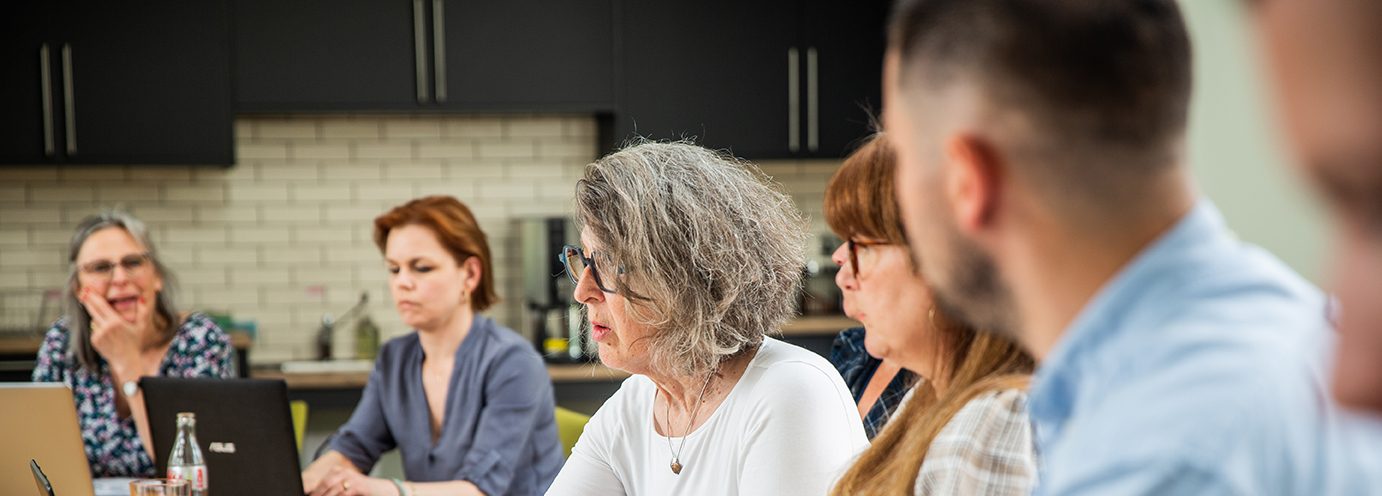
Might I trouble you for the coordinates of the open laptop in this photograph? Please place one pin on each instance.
(244, 429)
(38, 421)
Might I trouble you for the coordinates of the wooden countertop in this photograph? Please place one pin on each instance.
(560, 373)
(818, 325)
(825, 325)
(15, 344)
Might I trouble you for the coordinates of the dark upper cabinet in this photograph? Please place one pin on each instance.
(844, 44)
(330, 55)
(421, 55)
(526, 55)
(117, 82)
(27, 102)
(718, 71)
(765, 79)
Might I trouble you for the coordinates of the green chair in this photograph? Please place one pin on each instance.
(570, 425)
(298, 408)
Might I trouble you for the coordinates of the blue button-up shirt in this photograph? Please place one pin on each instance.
(1198, 369)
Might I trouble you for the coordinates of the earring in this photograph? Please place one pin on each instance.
(931, 315)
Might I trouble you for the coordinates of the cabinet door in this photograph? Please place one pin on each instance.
(26, 137)
(150, 82)
(306, 55)
(846, 41)
(524, 55)
(717, 70)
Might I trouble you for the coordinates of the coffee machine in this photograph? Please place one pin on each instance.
(556, 323)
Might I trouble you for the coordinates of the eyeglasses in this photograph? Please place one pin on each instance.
(576, 262)
(854, 253)
(105, 269)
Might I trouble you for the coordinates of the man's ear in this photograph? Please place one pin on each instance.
(973, 181)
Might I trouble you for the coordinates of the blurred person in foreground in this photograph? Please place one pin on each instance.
(1043, 185)
(1326, 57)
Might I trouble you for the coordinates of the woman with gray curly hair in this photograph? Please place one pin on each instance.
(690, 259)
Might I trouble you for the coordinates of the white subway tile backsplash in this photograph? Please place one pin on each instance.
(92, 173)
(394, 151)
(318, 151)
(473, 128)
(354, 129)
(295, 215)
(397, 128)
(413, 170)
(317, 194)
(518, 148)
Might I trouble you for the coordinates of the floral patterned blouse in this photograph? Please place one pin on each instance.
(200, 349)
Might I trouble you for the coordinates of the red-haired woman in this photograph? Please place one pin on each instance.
(466, 401)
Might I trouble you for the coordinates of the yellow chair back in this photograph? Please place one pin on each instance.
(570, 425)
(299, 410)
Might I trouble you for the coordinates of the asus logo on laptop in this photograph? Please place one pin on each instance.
(227, 448)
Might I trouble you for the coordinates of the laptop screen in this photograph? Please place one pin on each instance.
(244, 430)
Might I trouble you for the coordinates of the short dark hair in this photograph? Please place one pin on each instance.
(1104, 75)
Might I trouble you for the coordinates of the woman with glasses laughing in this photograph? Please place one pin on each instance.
(121, 324)
(689, 259)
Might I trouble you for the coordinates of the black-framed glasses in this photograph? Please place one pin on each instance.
(106, 268)
(576, 262)
(854, 252)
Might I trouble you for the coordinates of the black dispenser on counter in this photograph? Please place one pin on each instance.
(556, 323)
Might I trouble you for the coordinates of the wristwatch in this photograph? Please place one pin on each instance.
(130, 388)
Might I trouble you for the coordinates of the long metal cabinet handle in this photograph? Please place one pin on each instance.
(69, 101)
(793, 99)
(439, 48)
(813, 121)
(47, 80)
(420, 49)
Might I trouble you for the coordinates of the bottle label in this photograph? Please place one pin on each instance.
(194, 475)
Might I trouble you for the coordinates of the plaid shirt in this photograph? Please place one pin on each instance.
(985, 449)
(856, 366)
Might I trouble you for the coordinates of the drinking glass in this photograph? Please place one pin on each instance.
(159, 487)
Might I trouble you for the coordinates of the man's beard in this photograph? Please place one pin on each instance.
(974, 293)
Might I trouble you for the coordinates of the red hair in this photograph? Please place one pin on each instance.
(455, 227)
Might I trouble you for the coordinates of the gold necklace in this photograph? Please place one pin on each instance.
(676, 455)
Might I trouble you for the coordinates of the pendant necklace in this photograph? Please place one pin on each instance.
(676, 455)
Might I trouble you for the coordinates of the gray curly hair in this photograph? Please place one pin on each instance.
(712, 251)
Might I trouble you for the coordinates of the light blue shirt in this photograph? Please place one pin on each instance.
(1198, 369)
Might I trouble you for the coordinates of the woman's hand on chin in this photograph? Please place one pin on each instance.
(117, 340)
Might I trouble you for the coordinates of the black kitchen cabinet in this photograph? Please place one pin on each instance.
(424, 55)
(768, 79)
(526, 55)
(844, 43)
(308, 55)
(717, 71)
(118, 82)
(27, 102)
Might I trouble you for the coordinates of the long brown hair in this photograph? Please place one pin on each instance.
(859, 202)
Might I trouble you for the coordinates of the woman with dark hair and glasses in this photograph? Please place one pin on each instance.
(962, 427)
(121, 324)
(689, 259)
(466, 401)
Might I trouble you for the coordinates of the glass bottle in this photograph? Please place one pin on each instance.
(186, 460)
